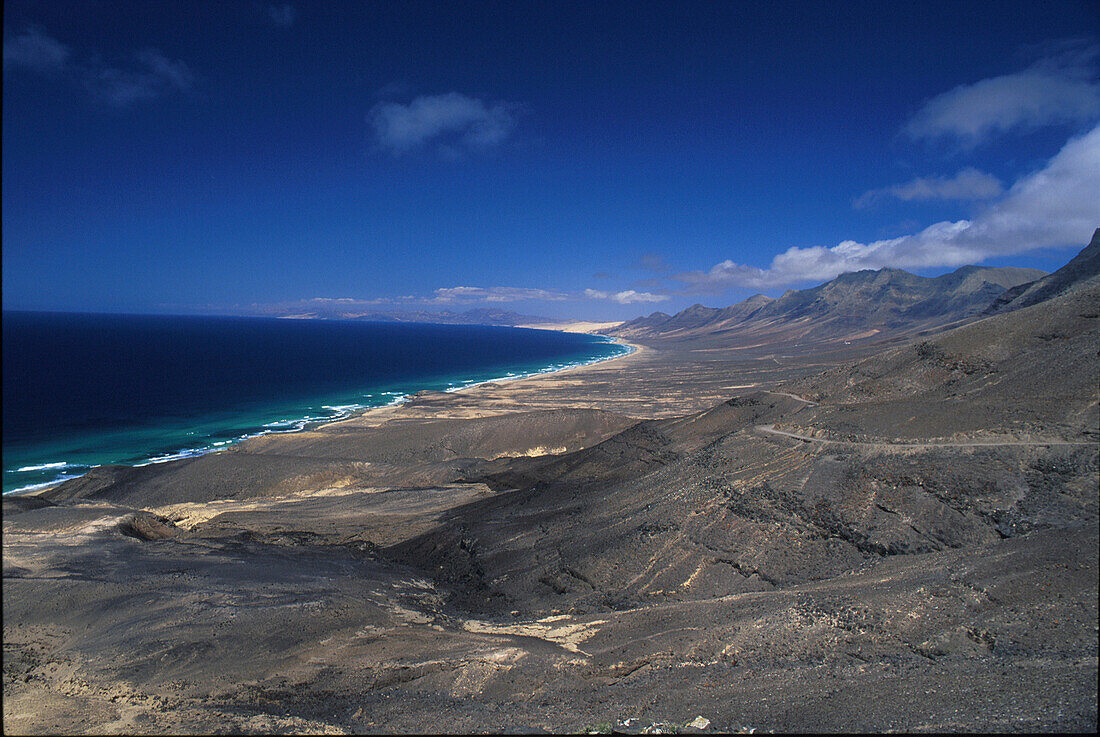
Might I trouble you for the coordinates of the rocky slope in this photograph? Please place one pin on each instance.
(1082, 271)
(854, 306)
(949, 442)
(903, 542)
(1032, 367)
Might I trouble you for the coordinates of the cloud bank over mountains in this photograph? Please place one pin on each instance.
(471, 295)
(453, 297)
(1055, 206)
(625, 297)
(1058, 205)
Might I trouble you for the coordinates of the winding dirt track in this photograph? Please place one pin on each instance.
(770, 429)
(792, 396)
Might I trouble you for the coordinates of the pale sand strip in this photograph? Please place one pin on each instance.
(378, 415)
(579, 326)
(506, 389)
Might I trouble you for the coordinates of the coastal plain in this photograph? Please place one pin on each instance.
(865, 532)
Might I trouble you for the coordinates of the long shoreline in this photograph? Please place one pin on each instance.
(353, 415)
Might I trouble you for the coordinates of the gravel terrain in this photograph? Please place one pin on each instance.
(890, 536)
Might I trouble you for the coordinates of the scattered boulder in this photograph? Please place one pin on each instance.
(147, 526)
(699, 723)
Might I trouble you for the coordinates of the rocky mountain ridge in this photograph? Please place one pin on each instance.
(884, 539)
(1081, 271)
(853, 306)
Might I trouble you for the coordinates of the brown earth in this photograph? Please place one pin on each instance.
(632, 540)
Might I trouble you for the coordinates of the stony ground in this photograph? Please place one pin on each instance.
(903, 542)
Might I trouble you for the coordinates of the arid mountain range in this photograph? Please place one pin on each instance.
(1082, 271)
(857, 306)
(880, 536)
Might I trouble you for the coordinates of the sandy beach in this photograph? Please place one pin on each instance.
(657, 537)
(688, 367)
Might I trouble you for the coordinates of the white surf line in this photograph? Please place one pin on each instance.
(348, 412)
(770, 429)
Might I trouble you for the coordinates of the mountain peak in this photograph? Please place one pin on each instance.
(1083, 269)
(856, 305)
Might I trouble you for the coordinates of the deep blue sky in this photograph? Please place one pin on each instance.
(563, 159)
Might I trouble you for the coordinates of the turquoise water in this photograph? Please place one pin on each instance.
(220, 380)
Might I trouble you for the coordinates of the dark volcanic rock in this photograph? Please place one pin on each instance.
(96, 481)
(147, 526)
(1023, 372)
(853, 306)
(1079, 273)
(402, 454)
(860, 549)
(15, 503)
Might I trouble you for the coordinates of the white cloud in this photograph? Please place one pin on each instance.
(626, 297)
(346, 301)
(282, 15)
(173, 73)
(465, 295)
(1059, 89)
(151, 75)
(968, 184)
(455, 122)
(34, 50)
(154, 75)
(1054, 207)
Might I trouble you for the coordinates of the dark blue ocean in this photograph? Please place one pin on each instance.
(82, 390)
